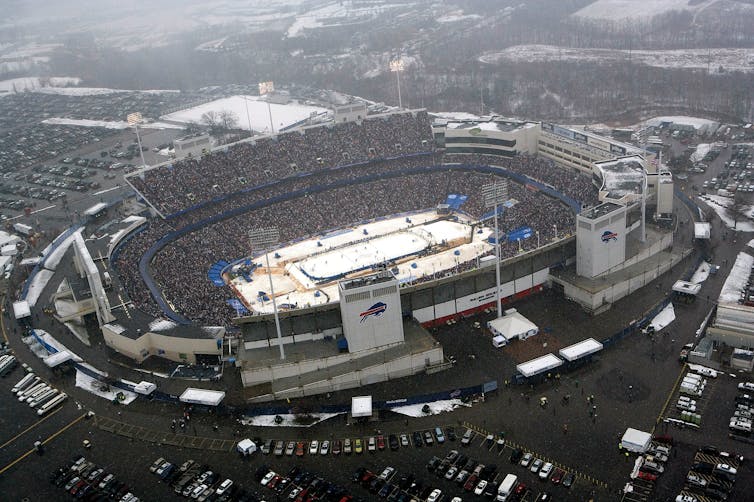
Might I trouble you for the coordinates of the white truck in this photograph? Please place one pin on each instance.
(506, 487)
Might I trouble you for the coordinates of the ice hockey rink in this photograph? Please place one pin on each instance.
(305, 273)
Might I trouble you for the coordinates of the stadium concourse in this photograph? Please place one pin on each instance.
(310, 183)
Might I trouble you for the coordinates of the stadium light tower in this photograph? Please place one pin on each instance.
(135, 119)
(265, 238)
(397, 66)
(494, 194)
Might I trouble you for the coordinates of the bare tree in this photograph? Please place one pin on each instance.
(210, 119)
(738, 209)
(228, 119)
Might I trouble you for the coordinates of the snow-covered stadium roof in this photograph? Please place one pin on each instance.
(622, 176)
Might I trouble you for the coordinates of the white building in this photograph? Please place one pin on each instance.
(600, 239)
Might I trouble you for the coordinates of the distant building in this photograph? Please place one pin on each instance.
(350, 112)
(192, 146)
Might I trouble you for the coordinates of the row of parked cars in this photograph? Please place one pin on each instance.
(86, 481)
(300, 485)
(711, 477)
(348, 446)
(197, 482)
(743, 414)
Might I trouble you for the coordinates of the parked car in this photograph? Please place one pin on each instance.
(536, 465)
(526, 459)
(545, 471)
(314, 447)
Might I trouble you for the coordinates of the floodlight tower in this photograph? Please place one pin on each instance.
(135, 119)
(397, 66)
(265, 238)
(494, 194)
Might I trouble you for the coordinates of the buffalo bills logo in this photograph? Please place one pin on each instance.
(375, 310)
(608, 236)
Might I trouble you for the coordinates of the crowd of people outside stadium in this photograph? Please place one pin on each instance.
(395, 185)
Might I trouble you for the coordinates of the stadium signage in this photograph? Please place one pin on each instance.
(375, 310)
(580, 137)
(609, 235)
(618, 149)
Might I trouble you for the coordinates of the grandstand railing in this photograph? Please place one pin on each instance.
(174, 235)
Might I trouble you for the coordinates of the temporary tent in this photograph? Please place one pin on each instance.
(582, 349)
(144, 388)
(539, 365)
(512, 325)
(636, 441)
(702, 230)
(246, 446)
(686, 288)
(361, 406)
(202, 396)
(21, 309)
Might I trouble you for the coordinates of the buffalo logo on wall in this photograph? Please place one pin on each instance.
(375, 310)
(608, 236)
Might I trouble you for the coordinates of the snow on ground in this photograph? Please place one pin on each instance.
(751, 244)
(702, 149)
(33, 83)
(728, 59)
(456, 16)
(283, 116)
(108, 124)
(84, 381)
(664, 318)
(701, 273)
(699, 367)
(720, 206)
(622, 9)
(435, 408)
(340, 14)
(37, 286)
(737, 279)
(456, 115)
(288, 420)
(53, 259)
(96, 91)
(697, 122)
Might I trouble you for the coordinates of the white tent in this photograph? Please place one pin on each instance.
(636, 441)
(578, 350)
(686, 288)
(512, 325)
(361, 406)
(702, 230)
(246, 446)
(21, 309)
(202, 396)
(58, 358)
(144, 388)
(539, 365)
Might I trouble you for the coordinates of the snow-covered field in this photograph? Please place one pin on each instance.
(720, 206)
(634, 9)
(700, 124)
(339, 13)
(258, 112)
(728, 59)
(33, 83)
(295, 288)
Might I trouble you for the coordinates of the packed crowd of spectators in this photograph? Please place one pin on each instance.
(307, 183)
(188, 182)
(180, 268)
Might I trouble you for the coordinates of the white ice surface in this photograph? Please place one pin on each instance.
(296, 288)
(258, 113)
(288, 420)
(631, 9)
(435, 408)
(701, 273)
(736, 280)
(8, 87)
(664, 318)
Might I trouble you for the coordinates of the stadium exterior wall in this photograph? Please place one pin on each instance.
(183, 350)
(409, 364)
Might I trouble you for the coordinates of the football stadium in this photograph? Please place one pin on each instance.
(316, 258)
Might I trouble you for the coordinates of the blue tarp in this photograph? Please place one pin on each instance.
(237, 305)
(455, 201)
(520, 233)
(215, 273)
